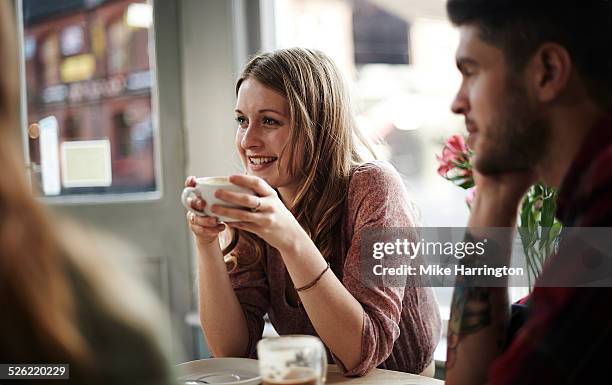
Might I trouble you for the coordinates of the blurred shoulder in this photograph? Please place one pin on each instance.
(128, 335)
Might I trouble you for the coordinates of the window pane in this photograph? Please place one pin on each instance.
(89, 87)
(403, 88)
(379, 36)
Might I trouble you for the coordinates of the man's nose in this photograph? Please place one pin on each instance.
(460, 104)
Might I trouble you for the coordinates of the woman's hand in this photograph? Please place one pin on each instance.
(268, 217)
(205, 228)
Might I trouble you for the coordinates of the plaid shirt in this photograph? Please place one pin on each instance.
(567, 338)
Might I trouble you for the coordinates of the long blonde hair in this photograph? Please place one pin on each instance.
(324, 133)
(32, 282)
(40, 309)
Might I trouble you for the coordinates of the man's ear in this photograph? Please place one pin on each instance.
(550, 71)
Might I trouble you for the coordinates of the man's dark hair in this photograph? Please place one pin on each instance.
(519, 27)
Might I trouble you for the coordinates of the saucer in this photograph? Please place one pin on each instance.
(219, 371)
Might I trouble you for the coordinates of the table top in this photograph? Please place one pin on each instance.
(379, 377)
(334, 375)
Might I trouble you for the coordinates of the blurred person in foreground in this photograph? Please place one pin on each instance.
(298, 252)
(536, 96)
(61, 301)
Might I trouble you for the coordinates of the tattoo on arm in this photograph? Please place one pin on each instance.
(473, 308)
(470, 313)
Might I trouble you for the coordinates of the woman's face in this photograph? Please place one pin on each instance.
(264, 129)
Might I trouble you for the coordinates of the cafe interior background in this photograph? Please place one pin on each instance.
(128, 93)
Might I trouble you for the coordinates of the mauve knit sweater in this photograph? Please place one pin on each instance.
(401, 325)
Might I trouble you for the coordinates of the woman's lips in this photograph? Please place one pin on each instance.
(258, 164)
(259, 167)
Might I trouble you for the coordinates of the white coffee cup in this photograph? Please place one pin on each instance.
(205, 188)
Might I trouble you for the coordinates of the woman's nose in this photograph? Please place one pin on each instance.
(251, 137)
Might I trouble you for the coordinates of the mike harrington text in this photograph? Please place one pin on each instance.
(437, 270)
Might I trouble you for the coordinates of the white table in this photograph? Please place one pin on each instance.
(379, 377)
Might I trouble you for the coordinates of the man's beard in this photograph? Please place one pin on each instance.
(517, 137)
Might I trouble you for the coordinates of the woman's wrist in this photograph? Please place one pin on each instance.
(207, 248)
(294, 242)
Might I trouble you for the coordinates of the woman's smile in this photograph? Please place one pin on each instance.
(260, 162)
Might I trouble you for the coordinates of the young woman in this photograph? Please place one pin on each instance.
(296, 251)
(60, 301)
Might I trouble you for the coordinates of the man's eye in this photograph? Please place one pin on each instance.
(467, 72)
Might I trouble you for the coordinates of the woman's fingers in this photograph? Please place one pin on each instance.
(196, 203)
(190, 181)
(207, 231)
(243, 226)
(241, 215)
(254, 183)
(239, 199)
(205, 228)
(204, 221)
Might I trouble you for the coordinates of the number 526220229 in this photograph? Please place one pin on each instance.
(34, 371)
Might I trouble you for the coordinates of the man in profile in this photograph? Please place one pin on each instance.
(536, 95)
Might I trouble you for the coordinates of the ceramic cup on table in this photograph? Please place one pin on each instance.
(292, 360)
(205, 188)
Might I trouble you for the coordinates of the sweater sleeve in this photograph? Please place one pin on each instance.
(377, 200)
(252, 290)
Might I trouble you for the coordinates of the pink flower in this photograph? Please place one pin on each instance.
(456, 143)
(467, 173)
(444, 167)
(454, 152)
(446, 161)
(471, 195)
(442, 170)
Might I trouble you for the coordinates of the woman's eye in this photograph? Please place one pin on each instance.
(241, 121)
(270, 122)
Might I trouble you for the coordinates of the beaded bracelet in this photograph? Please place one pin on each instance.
(314, 282)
